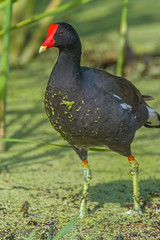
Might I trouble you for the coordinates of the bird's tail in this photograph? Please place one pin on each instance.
(153, 120)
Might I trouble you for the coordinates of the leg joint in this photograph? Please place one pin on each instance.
(133, 165)
(87, 172)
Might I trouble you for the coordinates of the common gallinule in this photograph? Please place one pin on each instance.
(91, 107)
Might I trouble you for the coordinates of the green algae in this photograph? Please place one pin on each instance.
(52, 109)
(79, 109)
(71, 116)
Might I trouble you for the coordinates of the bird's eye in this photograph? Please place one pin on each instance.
(61, 32)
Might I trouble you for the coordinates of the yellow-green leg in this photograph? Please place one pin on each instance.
(134, 166)
(84, 197)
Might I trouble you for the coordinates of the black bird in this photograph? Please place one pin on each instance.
(91, 107)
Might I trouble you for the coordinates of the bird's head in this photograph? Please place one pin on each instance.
(61, 35)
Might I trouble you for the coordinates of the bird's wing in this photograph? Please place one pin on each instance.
(122, 88)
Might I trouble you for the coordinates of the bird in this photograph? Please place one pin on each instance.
(91, 107)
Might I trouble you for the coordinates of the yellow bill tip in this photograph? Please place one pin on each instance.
(42, 49)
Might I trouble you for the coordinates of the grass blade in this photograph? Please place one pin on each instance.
(48, 143)
(50, 232)
(30, 237)
(66, 229)
(38, 17)
(31, 141)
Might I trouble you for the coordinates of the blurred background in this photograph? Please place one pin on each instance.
(97, 22)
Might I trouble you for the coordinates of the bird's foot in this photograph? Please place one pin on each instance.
(135, 212)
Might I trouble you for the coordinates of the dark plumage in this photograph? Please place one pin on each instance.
(90, 107)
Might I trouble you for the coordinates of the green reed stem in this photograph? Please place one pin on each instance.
(123, 37)
(4, 67)
(38, 17)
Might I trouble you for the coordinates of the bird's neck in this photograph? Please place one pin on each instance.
(69, 59)
(67, 69)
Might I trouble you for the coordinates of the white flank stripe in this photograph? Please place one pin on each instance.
(126, 106)
(116, 96)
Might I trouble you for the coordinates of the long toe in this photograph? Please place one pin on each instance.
(135, 213)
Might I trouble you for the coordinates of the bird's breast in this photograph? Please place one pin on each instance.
(90, 120)
(71, 114)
